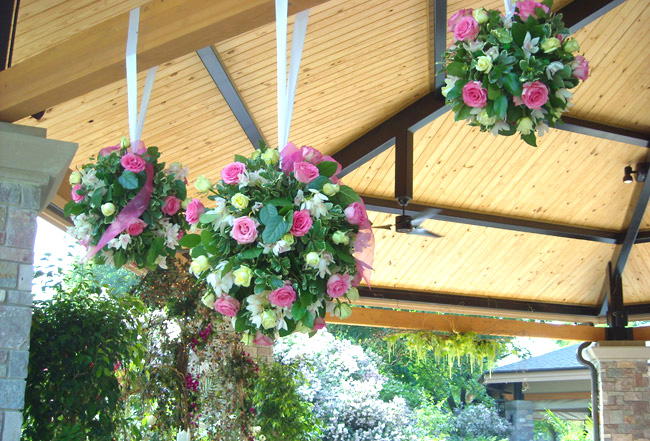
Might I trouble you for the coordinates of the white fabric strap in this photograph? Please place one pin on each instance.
(136, 122)
(509, 9)
(287, 92)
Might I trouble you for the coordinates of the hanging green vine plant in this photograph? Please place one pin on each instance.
(454, 348)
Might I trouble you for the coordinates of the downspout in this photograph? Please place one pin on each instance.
(595, 414)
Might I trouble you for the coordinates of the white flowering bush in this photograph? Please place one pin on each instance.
(344, 384)
(476, 421)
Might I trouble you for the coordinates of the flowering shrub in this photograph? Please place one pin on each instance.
(344, 384)
(512, 73)
(127, 207)
(278, 248)
(478, 421)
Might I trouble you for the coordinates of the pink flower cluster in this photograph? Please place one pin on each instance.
(463, 25)
(526, 8)
(302, 162)
(244, 230)
(227, 306)
(474, 94)
(194, 211)
(284, 296)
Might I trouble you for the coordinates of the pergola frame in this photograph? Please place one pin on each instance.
(26, 91)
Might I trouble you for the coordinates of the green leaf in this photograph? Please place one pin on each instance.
(457, 69)
(274, 229)
(280, 202)
(501, 107)
(181, 189)
(556, 101)
(502, 35)
(267, 213)
(206, 238)
(317, 184)
(96, 198)
(493, 91)
(276, 283)
(327, 168)
(240, 324)
(512, 84)
(151, 256)
(119, 259)
(240, 158)
(530, 139)
(343, 255)
(298, 311)
(229, 266)
(463, 113)
(518, 33)
(308, 320)
(346, 196)
(190, 240)
(128, 180)
(207, 218)
(72, 208)
(251, 253)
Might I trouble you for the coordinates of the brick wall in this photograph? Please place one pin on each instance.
(19, 204)
(625, 400)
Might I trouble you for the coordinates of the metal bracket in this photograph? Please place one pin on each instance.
(617, 318)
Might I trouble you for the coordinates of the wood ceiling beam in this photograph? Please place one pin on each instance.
(222, 80)
(8, 17)
(603, 131)
(437, 20)
(422, 321)
(496, 221)
(580, 13)
(95, 58)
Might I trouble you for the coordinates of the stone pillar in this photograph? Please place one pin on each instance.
(520, 414)
(30, 167)
(624, 389)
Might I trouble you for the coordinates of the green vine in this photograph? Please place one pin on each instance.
(452, 349)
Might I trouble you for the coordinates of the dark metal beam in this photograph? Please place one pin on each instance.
(215, 68)
(8, 18)
(382, 137)
(404, 165)
(642, 237)
(579, 13)
(604, 131)
(438, 19)
(488, 303)
(495, 221)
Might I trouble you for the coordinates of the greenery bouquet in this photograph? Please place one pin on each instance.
(512, 73)
(126, 207)
(284, 243)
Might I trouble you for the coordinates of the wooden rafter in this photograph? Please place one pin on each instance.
(95, 57)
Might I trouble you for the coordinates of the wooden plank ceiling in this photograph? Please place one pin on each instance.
(362, 63)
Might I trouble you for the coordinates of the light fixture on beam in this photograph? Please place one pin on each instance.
(641, 173)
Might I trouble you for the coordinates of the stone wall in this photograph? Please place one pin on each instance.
(625, 398)
(19, 204)
(520, 414)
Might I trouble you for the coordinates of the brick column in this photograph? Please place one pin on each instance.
(31, 169)
(520, 414)
(18, 210)
(624, 390)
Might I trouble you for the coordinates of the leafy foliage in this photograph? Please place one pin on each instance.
(78, 338)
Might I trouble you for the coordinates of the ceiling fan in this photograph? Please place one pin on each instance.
(405, 223)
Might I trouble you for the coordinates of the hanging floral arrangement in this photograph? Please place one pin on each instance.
(512, 73)
(127, 208)
(284, 242)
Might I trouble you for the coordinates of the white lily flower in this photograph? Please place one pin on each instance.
(220, 285)
(316, 204)
(474, 46)
(122, 241)
(161, 261)
(498, 126)
(553, 68)
(530, 45)
(325, 260)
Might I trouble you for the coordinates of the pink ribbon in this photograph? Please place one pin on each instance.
(364, 245)
(133, 209)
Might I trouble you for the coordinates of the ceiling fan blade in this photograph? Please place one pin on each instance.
(424, 232)
(383, 227)
(426, 214)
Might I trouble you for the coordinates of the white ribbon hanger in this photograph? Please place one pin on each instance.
(287, 89)
(136, 122)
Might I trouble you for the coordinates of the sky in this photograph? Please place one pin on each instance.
(62, 248)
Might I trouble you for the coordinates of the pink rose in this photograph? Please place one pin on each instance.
(284, 296)
(453, 21)
(311, 155)
(172, 205)
(517, 101)
(305, 172)
(337, 285)
(580, 68)
(535, 94)
(230, 173)
(244, 230)
(466, 29)
(319, 323)
(133, 162)
(136, 227)
(262, 340)
(290, 155)
(106, 151)
(474, 94)
(526, 8)
(356, 214)
(356, 281)
(301, 223)
(227, 306)
(75, 196)
(194, 211)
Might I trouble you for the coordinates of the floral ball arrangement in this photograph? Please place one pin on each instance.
(278, 248)
(127, 208)
(510, 74)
